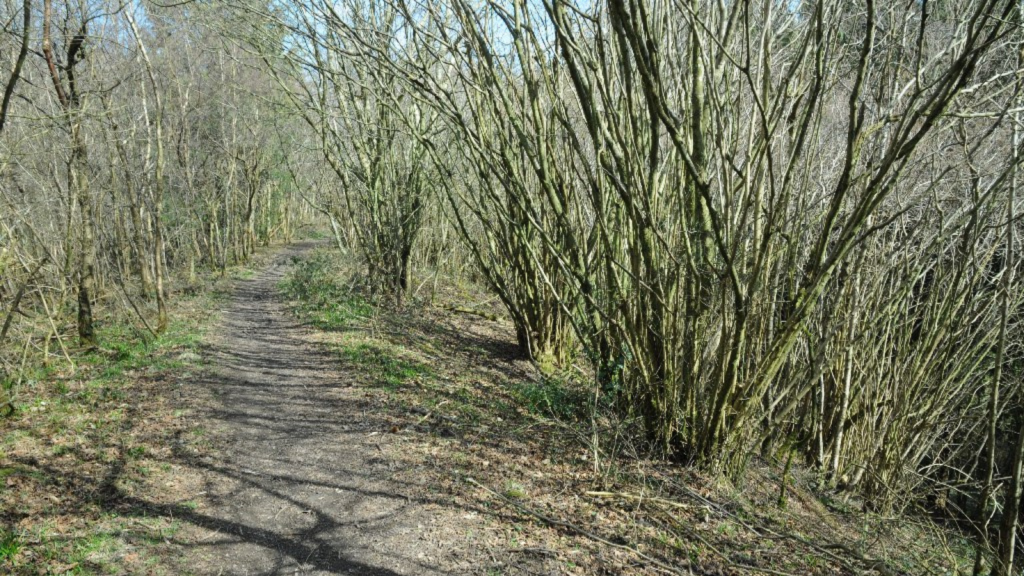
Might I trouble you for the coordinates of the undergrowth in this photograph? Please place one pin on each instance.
(392, 370)
(316, 284)
(535, 437)
(83, 432)
(554, 397)
(325, 298)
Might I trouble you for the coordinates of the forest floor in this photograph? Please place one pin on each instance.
(288, 426)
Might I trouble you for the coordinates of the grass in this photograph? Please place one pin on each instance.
(114, 545)
(391, 370)
(315, 283)
(553, 397)
(9, 545)
(83, 438)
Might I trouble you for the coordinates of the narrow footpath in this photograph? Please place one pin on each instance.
(302, 482)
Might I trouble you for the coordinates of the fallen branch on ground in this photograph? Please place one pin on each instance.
(625, 496)
(461, 310)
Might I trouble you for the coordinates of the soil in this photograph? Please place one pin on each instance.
(304, 477)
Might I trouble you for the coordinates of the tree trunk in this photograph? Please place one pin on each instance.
(79, 181)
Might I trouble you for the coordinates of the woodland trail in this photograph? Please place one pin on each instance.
(302, 482)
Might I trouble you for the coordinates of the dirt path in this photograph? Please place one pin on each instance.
(302, 482)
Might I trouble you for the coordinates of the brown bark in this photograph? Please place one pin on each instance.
(78, 179)
(26, 29)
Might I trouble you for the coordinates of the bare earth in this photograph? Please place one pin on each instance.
(304, 478)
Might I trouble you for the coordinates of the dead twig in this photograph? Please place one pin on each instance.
(625, 496)
(431, 412)
(17, 299)
(577, 529)
(461, 310)
(124, 294)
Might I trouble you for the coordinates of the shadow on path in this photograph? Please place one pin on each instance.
(302, 482)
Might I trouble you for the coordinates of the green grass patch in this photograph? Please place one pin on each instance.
(316, 283)
(243, 273)
(553, 397)
(98, 550)
(389, 369)
(10, 545)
